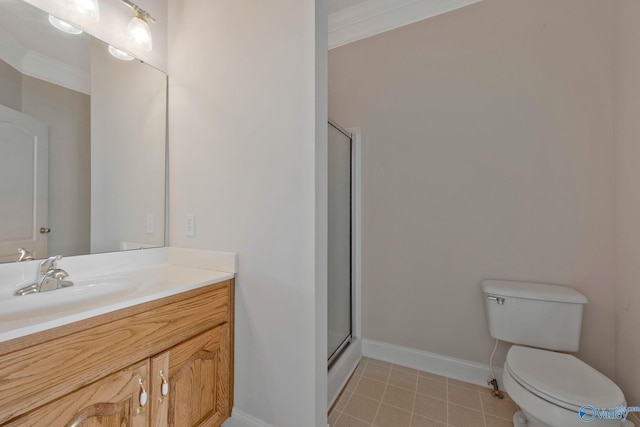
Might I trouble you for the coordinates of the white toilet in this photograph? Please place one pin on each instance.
(552, 389)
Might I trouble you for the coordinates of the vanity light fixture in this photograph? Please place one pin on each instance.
(63, 25)
(88, 9)
(138, 30)
(120, 54)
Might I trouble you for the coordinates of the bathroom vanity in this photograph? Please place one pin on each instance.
(165, 358)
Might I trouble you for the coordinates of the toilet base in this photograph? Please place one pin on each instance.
(546, 413)
(522, 419)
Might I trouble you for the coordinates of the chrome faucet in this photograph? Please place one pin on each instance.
(49, 278)
(25, 255)
(48, 264)
(53, 279)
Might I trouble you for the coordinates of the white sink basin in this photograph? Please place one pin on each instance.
(87, 292)
(95, 295)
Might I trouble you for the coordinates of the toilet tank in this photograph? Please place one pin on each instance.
(534, 314)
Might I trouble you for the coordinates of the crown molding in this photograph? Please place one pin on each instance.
(373, 17)
(42, 67)
(37, 65)
(11, 50)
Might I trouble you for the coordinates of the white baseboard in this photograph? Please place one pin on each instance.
(459, 369)
(463, 370)
(342, 369)
(242, 419)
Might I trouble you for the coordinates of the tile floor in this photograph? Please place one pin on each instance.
(381, 394)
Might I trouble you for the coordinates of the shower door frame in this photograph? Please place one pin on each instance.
(349, 338)
(354, 244)
(345, 364)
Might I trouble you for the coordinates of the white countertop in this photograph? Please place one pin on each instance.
(111, 287)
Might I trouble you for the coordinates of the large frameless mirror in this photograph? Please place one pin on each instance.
(82, 142)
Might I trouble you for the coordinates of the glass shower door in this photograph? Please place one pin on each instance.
(339, 241)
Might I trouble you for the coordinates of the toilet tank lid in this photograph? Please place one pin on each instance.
(529, 290)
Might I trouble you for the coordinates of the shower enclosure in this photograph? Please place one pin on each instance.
(339, 241)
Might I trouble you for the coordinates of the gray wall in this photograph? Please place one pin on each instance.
(10, 86)
(627, 103)
(488, 153)
(68, 114)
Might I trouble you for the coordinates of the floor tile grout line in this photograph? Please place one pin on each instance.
(337, 418)
(484, 417)
(416, 377)
(354, 392)
(403, 409)
(413, 407)
(465, 407)
(447, 394)
(356, 418)
(382, 398)
(403, 388)
(354, 389)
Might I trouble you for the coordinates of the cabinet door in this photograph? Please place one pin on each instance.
(197, 375)
(114, 401)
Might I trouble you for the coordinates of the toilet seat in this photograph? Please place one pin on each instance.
(562, 379)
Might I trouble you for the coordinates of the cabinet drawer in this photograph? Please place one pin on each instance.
(35, 375)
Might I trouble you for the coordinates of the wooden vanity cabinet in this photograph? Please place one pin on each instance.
(183, 375)
(111, 401)
(196, 373)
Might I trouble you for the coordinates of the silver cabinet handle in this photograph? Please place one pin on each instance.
(143, 394)
(45, 230)
(164, 388)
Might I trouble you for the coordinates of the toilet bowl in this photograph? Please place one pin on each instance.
(551, 388)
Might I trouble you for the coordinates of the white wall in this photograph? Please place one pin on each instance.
(627, 104)
(244, 160)
(321, 210)
(128, 138)
(112, 27)
(487, 153)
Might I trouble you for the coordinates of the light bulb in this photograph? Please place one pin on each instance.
(138, 31)
(120, 54)
(87, 8)
(63, 26)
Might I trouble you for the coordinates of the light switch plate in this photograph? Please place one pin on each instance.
(190, 225)
(151, 227)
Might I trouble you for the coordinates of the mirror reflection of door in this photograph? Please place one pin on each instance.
(24, 153)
